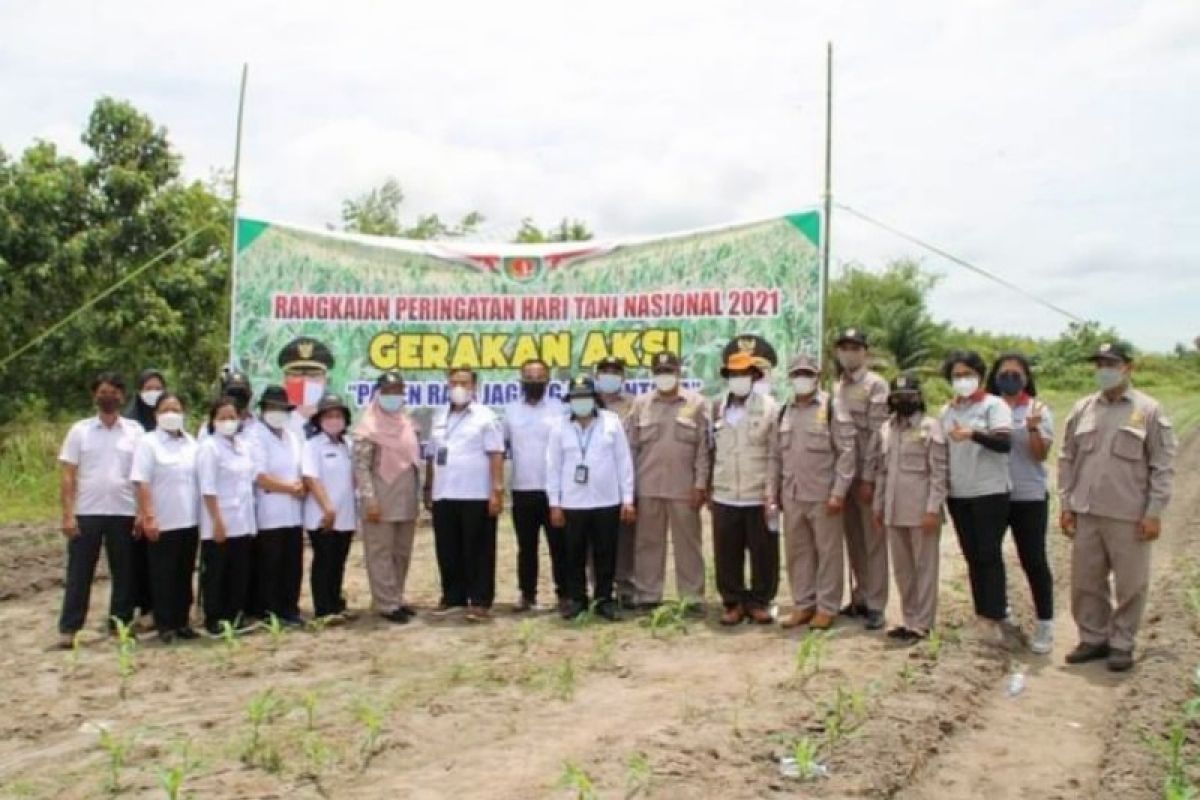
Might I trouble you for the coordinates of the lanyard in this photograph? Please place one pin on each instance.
(450, 429)
(585, 441)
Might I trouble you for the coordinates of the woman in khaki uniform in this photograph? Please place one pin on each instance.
(910, 460)
(386, 459)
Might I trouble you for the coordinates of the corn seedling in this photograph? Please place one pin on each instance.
(317, 754)
(637, 775)
(76, 649)
(804, 752)
(262, 709)
(1176, 785)
(668, 618)
(528, 634)
(172, 778)
(809, 654)
(585, 618)
(907, 675)
(846, 714)
(934, 644)
(126, 654)
(576, 780)
(371, 715)
(116, 749)
(308, 701)
(276, 629)
(564, 680)
(603, 650)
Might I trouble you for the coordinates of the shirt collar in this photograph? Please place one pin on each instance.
(978, 396)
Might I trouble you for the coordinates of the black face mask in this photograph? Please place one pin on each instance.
(108, 405)
(533, 390)
(906, 408)
(1010, 383)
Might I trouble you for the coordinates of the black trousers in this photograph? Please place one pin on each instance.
(1028, 520)
(530, 515)
(279, 570)
(980, 523)
(736, 531)
(143, 583)
(115, 534)
(591, 533)
(225, 579)
(172, 562)
(328, 571)
(464, 538)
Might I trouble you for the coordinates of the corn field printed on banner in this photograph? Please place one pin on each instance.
(379, 303)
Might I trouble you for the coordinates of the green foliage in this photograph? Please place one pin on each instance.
(576, 780)
(377, 213)
(71, 228)
(668, 618)
(172, 778)
(116, 750)
(126, 654)
(567, 230)
(29, 470)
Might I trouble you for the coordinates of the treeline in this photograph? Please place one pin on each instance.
(70, 228)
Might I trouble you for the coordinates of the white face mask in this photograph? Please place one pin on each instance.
(170, 421)
(608, 383)
(851, 360)
(391, 403)
(741, 385)
(966, 386)
(150, 397)
(762, 387)
(583, 406)
(226, 427)
(666, 381)
(460, 395)
(1109, 378)
(804, 384)
(276, 419)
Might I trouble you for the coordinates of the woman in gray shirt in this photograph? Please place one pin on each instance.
(1032, 434)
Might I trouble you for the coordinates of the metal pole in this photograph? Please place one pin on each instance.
(233, 227)
(828, 195)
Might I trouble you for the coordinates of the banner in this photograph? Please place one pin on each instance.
(315, 308)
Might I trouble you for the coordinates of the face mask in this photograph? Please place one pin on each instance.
(460, 395)
(608, 383)
(276, 419)
(226, 427)
(170, 421)
(1109, 378)
(1010, 383)
(741, 385)
(108, 405)
(533, 390)
(333, 426)
(666, 381)
(851, 361)
(965, 387)
(583, 406)
(804, 384)
(906, 408)
(391, 403)
(150, 397)
(762, 387)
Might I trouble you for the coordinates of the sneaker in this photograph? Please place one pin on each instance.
(875, 621)
(1043, 637)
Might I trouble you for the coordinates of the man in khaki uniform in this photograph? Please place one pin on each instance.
(812, 472)
(862, 394)
(668, 438)
(610, 386)
(744, 440)
(1114, 480)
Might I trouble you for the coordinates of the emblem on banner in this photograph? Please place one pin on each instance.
(522, 269)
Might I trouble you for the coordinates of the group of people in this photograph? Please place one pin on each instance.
(608, 479)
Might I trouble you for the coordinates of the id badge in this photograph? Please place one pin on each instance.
(443, 455)
(581, 474)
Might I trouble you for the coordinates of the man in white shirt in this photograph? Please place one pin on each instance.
(98, 506)
(527, 425)
(464, 488)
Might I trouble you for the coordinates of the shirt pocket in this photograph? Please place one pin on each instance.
(1085, 436)
(647, 432)
(1129, 444)
(687, 431)
(913, 457)
(816, 439)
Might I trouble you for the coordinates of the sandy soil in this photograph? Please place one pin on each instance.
(528, 706)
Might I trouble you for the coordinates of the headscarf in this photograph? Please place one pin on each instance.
(137, 410)
(395, 437)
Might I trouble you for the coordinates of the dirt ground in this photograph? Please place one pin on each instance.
(528, 706)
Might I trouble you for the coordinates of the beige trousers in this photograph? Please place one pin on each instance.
(915, 558)
(1104, 546)
(387, 548)
(654, 517)
(813, 554)
(868, 552)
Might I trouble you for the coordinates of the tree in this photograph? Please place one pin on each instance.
(70, 229)
(377, 213)
(567, 230)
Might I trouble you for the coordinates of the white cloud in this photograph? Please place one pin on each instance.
(1051, 143)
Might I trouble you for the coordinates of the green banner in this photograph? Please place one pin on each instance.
(359, 305)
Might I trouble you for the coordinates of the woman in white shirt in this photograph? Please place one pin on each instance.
(225, 469)
(279, 508)
(589, 484)
(164, 472)
(330, 514)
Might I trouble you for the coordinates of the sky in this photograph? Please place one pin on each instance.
(1051, 143)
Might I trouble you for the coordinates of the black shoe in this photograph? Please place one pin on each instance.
(627, 601)
(853, 610)
(874, 620)
(1120, 660)
(410, 610)
(526, 603)
(608, 610)
(167, 637)
(398, 616)
(572, 609)
(1085, 652)
(898, 632)
(187, 634)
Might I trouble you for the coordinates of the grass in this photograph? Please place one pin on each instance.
(29, 471)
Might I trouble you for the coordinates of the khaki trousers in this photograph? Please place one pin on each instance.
(1104, 546)
(813, 542)
(868, 552)
(387, 547)
(915, 558)
(654, 517)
